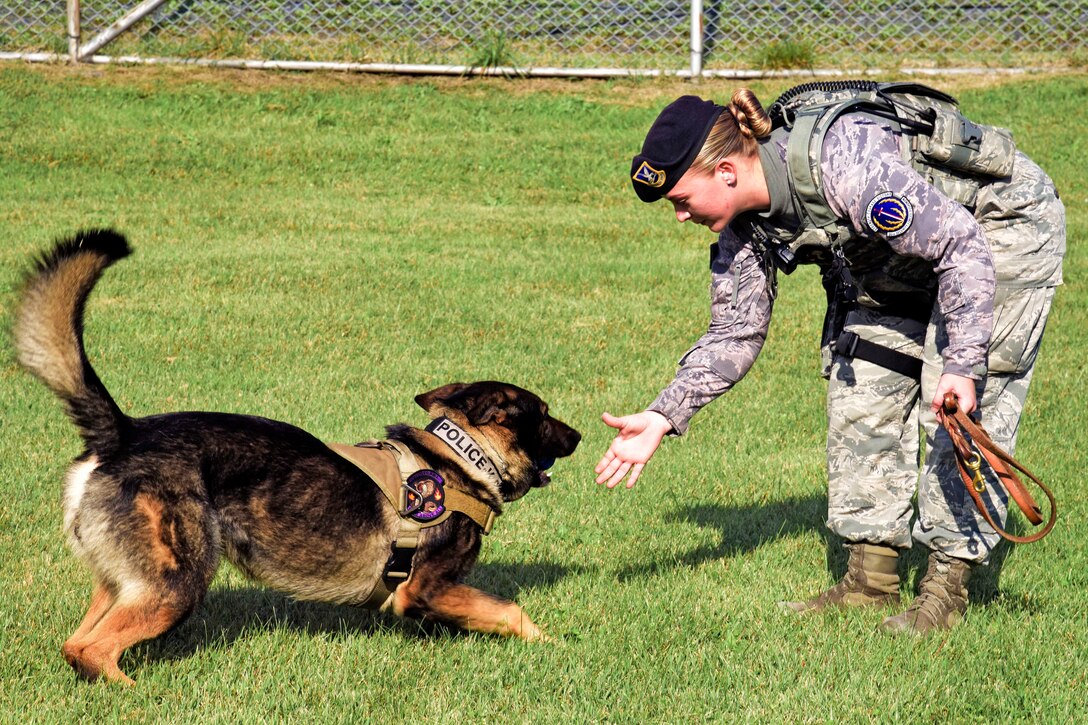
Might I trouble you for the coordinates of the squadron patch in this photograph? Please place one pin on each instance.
(650, 176)
(889, 214)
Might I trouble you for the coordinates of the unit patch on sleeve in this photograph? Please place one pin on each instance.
(889, 214)
(648, 175)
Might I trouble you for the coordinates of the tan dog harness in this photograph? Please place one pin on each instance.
(420, 498)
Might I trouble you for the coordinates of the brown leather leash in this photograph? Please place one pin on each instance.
(963, 431)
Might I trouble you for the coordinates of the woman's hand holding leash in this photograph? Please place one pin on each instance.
(963, 388)
(639, 436)
(971, 444)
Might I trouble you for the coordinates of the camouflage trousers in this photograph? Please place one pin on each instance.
(885, 444)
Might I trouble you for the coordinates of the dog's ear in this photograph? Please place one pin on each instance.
(481, 403)
(487, 408)
(438, 396)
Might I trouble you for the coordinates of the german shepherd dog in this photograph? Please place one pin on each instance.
(153, 503)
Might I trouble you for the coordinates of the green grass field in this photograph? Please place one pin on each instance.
(319, 249)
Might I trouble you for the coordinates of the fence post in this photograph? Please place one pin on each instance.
(696, 39)
(73, 31)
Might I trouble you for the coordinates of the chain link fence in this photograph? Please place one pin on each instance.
(621, 34)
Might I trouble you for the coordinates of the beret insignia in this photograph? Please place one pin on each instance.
(650, 176)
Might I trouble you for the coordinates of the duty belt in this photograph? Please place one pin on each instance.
(420, 499)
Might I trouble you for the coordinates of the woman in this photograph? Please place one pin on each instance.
(941, 248)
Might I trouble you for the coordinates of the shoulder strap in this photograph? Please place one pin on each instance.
(806, 142)
(376, 460)
(916, 89)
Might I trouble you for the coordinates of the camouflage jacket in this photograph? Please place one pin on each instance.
(863, 162)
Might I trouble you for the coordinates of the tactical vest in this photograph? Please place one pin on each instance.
(408, 487)
(953, 154)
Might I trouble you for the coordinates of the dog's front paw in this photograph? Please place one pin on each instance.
(541, 636)
(533, 633)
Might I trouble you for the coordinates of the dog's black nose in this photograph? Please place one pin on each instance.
(568, 438)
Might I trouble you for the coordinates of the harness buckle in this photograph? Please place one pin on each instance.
(847, 343)
(399, 565)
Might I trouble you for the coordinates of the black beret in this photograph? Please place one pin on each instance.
(672, 144)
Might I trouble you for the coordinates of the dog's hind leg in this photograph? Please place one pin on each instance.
(469, 608)
(158, 559)
(101, 601)
(126, 623)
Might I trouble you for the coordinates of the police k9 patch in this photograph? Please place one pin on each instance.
(424, 496)
(889, 214)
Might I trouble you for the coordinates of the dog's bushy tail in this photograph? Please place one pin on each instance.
(49, 332)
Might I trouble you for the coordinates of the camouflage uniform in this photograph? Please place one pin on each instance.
(935, 288)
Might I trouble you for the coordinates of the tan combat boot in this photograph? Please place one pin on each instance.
(941, 601)
(871, 580)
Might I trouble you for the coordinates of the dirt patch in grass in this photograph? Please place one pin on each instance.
(623, 91)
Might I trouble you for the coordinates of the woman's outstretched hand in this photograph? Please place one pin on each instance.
(639, 436)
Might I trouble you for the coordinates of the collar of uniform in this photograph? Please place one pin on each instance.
(783, 211)
(465, 446)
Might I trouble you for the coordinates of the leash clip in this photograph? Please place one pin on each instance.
(974, 464)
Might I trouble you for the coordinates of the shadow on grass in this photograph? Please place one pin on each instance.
(231, 614)
(228, 615)
(746, 528)
(743, 529)
(509, 580)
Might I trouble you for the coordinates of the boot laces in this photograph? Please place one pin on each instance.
(850, 581)
(935, 599)
(845, 585)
